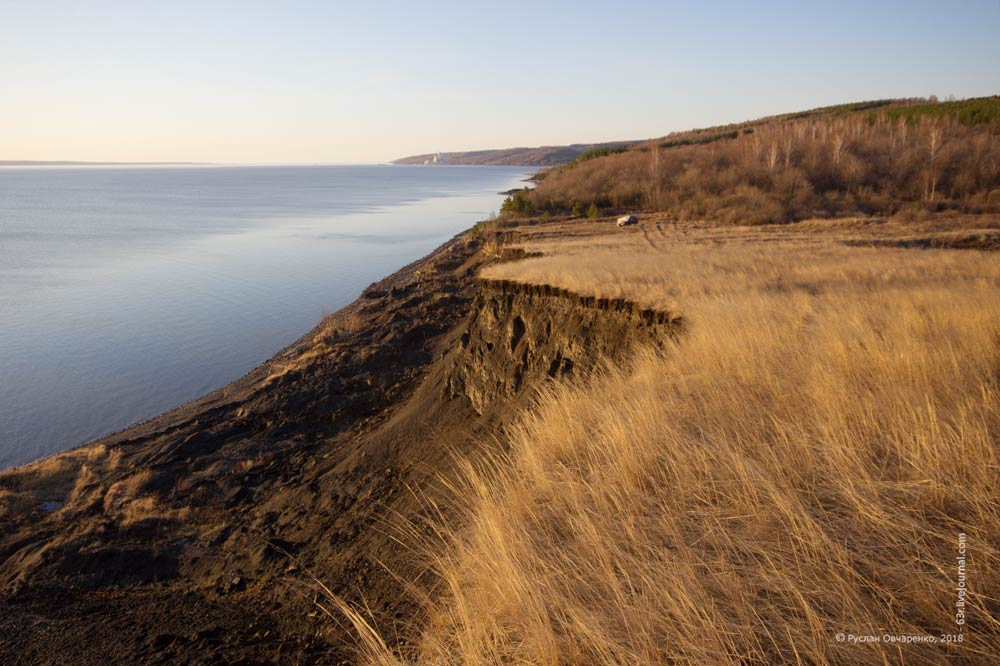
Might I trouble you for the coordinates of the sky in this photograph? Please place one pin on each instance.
(360, 82)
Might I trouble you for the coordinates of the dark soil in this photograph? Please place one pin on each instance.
(201, 536)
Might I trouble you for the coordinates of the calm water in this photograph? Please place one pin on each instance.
(125, 292)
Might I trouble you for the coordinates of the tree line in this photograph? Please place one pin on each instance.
(890, 159)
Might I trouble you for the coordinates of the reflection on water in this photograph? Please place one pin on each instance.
(126, 292)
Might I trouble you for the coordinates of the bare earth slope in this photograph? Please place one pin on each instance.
(195, 536)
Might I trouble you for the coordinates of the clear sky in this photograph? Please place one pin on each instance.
(368, 81)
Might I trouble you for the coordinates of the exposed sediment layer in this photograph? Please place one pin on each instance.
(520, 334)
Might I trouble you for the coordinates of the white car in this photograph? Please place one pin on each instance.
(626, 220)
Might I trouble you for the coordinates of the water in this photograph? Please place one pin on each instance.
(125, 292)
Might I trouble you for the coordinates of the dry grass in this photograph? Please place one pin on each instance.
(686, 269)
(124, 492)
(58, 479)
(800, 464)
(68, 482)
(778, 478)
(14, 503)
(149, 507)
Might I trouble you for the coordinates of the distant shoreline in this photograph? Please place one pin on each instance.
(541, 156)
(50, 163)
(73, 163)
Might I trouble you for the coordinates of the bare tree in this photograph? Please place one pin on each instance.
(838, 149)
(653, 193)
(772, 156)
(935, 137)
(857, 128)
(788, 146)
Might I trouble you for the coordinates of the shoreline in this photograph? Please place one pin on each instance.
(296, 345)
(218, 462)
(246, 274)
(199, 515)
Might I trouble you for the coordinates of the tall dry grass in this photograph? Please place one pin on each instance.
(799, 465)
(684, 272)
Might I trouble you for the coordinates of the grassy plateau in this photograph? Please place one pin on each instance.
(807, 474)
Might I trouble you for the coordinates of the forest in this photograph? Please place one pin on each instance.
(890, 157)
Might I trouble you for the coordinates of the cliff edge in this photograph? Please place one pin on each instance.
(203, 534)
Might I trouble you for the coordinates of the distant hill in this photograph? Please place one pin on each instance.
(538, 157)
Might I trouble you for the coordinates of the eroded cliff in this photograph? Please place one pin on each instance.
(518, 335)
(200, 534)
